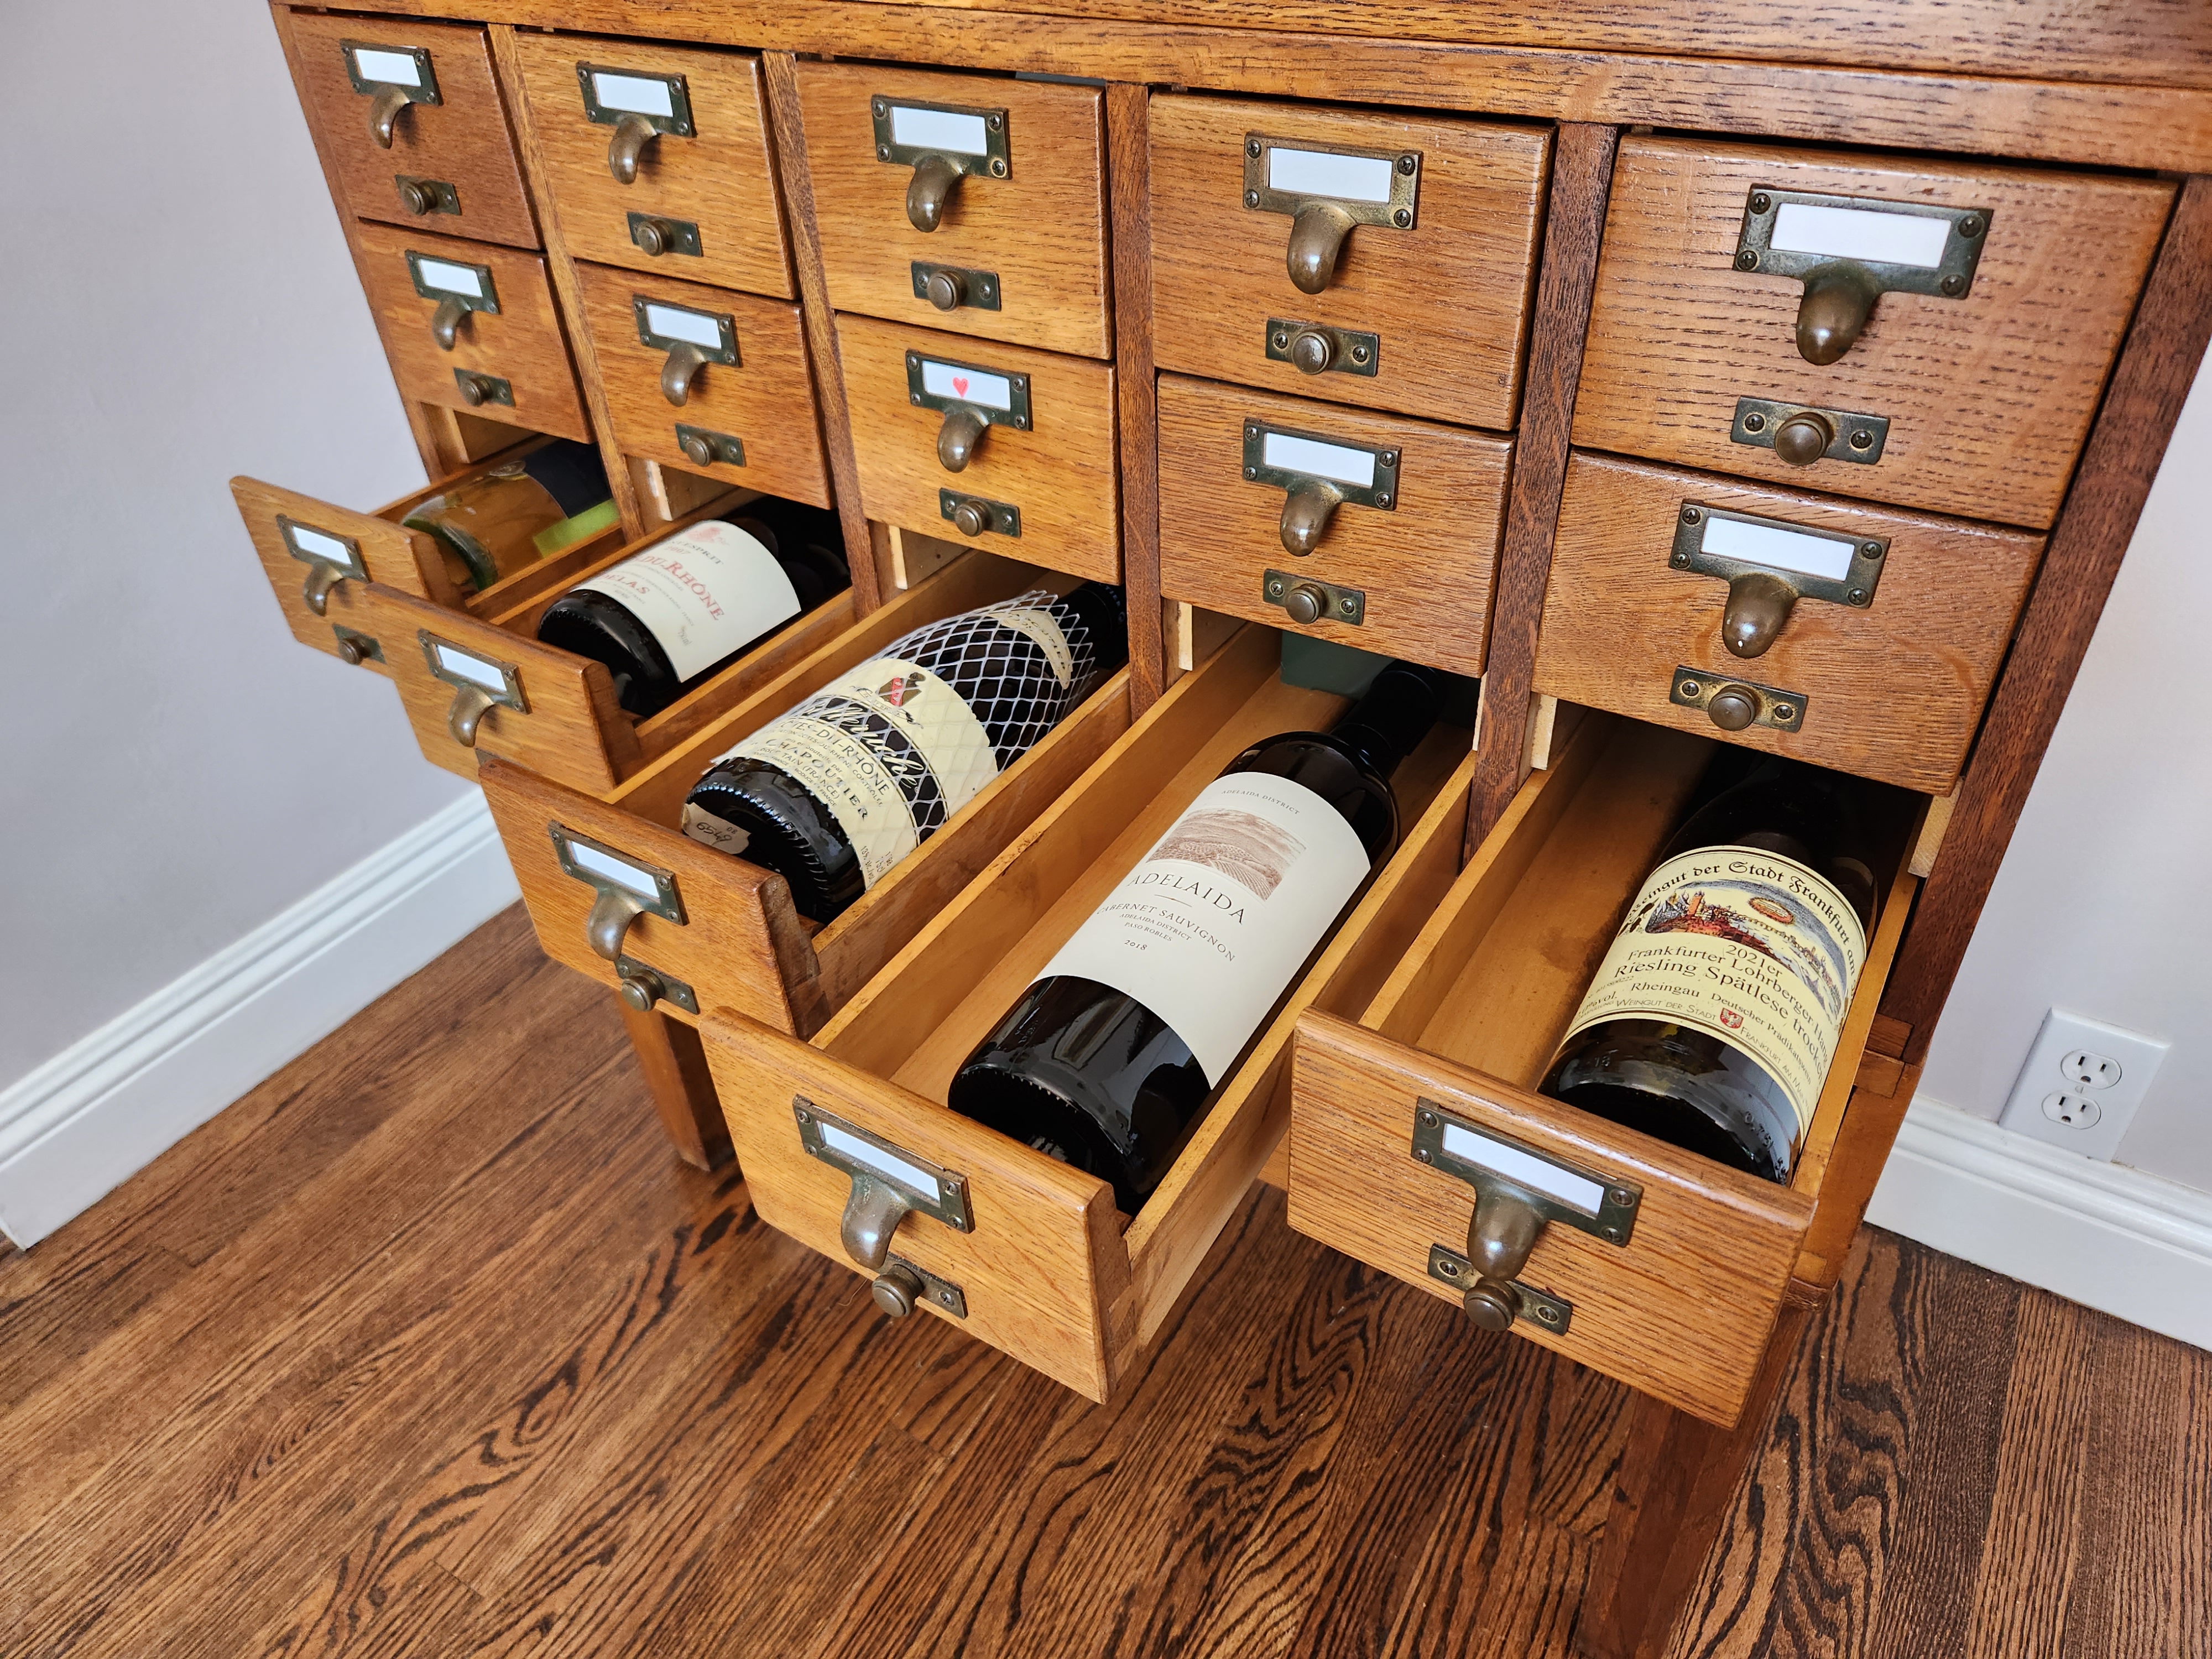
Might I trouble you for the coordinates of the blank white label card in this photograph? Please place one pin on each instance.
(939, 128)
(869, 1155)
(969, 385)
(640, 94)
(673, 323)
(1539, 1175)
(1352, 467)
(391, 68)
(1324, 173)
(472, 669)
(1866, 233)
(1778, 547)
(608, 868)
(449, 278)
(329, 548)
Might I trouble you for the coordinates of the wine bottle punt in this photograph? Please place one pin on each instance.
(834, 793)
(510, 517)
(1716, 1012)
(1110, 1057)
(669, 617)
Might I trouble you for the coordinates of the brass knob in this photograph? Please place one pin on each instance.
(696, 450)
(956, 440)
(632, 133)
(970, 518)
(1759, 605)
(383, 114)
(653, 237)
(446, 322)
(1499, 1235)
(467, 713)
(1732, 707)
(1838, 300)
(896, 1289)
(474, 389)
(930, 191)
(1305, 604)
(683, 367)
(946, 289)
(1306, 514)
(1316, 239)
(417, 198)
(351, 650)
(639, 989)
(1804, 437)
(608, 924)
(321, 578)
(1312, 351)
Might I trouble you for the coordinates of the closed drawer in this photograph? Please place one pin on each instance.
(728, 933)
(713, 382)
(1047, 1272)
(1428, 317)
(1974, 401)
(477, 680)
(410, 118)
(1681, 1304)
(1011, 174)
(657, 158)
(1651, 567)
(471, 327)
(1404, 565)
(1032, 433)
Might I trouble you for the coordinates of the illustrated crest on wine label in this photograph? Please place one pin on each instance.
(896, 689)
(1760, 918)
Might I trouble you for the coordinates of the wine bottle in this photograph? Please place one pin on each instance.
(492, 526)
(1714, 1013)
(839, 790)
(1213, 926)
(667, 618)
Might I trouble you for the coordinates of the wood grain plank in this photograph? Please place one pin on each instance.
(1129, 250)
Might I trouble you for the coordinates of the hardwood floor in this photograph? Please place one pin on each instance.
(430, 1347)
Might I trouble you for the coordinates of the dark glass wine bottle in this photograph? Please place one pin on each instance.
(671, 617)
(510, 517)
(1213, 926)
(839, 790)
(1715, 1014)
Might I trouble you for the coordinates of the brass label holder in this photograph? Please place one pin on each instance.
(938, 383)
(1950, 276)
(499, 682)
(703, 448)
(1860, 558)
(656, 236)
(478, 389)
(428, 271)
(978, 290)
(889, 1183)
(1388, 196)
(321, 547)
(1859, 439)
(1540, 1308)
(1295, 464)
(1497, 1166)
(989, 517)
(713, 335)
(603, 869)
(950, 140)
(1322, 348)
(662, 102)
(372, 68)
(423, 197)
(1735, 704)
(1308, 600)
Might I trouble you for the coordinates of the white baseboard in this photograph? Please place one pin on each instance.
(102, 1110)
(2103, 1235)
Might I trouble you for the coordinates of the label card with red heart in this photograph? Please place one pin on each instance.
(970, 385)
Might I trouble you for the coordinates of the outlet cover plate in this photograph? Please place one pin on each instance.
(2064, 1036)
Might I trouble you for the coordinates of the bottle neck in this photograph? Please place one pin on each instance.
(1389, 723)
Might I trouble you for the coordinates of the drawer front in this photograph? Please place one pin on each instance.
(320, 559)
(1892, 688)
(692, 157)
(1682, 1310)
(550, 710)
(1431, 318)
(1975, 403)
(450, 164)
(1411, 578)
(1023, 243)
(764, 403)
(1033, 431)
(509, 365)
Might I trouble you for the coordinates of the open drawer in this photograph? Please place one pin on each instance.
(319, 558)
(718, 932)
(479, 681)
(1045, 1267)
(1659, 1267)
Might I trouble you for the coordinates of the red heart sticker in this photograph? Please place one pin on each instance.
(960, 384)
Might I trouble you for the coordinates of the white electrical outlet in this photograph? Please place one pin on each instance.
(2082, 1084)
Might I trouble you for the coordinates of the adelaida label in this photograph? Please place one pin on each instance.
(704, 593)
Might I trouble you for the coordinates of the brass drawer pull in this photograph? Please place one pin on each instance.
(950, 286)
(330, 559)
(1328, 193)
(703, 448)
(1802, 436)
(973, 399)
(889, 1184)
(1320, 475)
(640, 106)
(458, 288)
(1321, 349)
(391, 78)
(479, 685)
(943, 144)
(627, 889)
(423, 197)
(1734, 704)
(655, 236)
(1769, 564)
(976, 515)
(477, 390)
(692, 339)
(1519, 1191)
(903, 1284)
(1306, 601)
(1849, 251)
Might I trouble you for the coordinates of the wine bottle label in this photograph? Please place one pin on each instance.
(703, 594)
(1747, 946)
(1036, 622)
(892, 751)
(1209, 928)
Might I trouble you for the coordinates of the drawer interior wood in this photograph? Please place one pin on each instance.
(889, 1055)
(742, 944)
